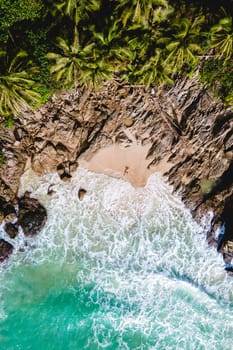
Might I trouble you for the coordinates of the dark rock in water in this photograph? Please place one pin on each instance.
(65, 177)
(50, 191)
(65, 170)
(11, 229)
(9, 213)
(5, 249)
(81, 193)
(32, 215)
(227, 258)
(229, 267)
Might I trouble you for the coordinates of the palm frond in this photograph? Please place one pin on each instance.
(221, 38)
(16, 85)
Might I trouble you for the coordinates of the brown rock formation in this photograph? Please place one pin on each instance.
(184, 125)
(32, 215)
(11, 229)
(5, 249)
(81, 193)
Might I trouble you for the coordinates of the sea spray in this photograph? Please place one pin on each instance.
(125, 268)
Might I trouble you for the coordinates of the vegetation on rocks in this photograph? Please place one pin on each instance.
(1, 158)
(47, 45)
(218, 76)
(208, 185)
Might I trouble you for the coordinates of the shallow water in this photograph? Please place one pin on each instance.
(123, 269)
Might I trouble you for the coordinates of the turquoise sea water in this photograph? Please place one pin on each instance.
(123, 269)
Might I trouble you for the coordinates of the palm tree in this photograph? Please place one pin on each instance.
(221, 38)
(16, 84)
(183, 47)
(154, 71)
(76, 10)
(109, 41)
(144, 12)
(97, 70)
(69, 65)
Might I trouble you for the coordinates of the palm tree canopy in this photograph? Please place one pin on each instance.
(221, 37)
(16, 85)
(69, 64)
(142, 11)
(76, 9)
(184, 46)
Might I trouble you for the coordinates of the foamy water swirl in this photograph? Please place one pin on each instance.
(145, 263)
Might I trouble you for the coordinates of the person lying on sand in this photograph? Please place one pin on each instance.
(126, 170)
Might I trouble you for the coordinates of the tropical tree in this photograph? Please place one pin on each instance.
(144, 12)
(76, 10)
(154, 71)
(139, 46)
(183, 45)
(109, 41)
(97, 70)
(69, 65)
(16, 84)
(14, 12)
(221, 38)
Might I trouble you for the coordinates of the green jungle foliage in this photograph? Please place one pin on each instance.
(47, 45)
(14, 12)
(219, 77)
(2, 159)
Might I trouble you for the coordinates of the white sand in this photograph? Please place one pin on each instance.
(128, 162)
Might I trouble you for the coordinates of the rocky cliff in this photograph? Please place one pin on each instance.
(187, 128)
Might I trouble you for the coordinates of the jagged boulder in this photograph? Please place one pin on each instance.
(6, 250)
(32, 215)
(11, 229)
(81, 193)
(9, 213)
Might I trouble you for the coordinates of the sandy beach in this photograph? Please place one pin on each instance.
(127, 162)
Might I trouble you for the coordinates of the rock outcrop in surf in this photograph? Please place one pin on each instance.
(25, 213)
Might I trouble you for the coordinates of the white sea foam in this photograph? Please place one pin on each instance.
(134, 228)
(139, 245)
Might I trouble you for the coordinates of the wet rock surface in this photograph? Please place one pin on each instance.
(11, 229)
(81, 193)
(24, 212)
(184, 124)
(32, 215)
(6, 250)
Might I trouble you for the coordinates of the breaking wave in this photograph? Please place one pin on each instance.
(125, 268)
